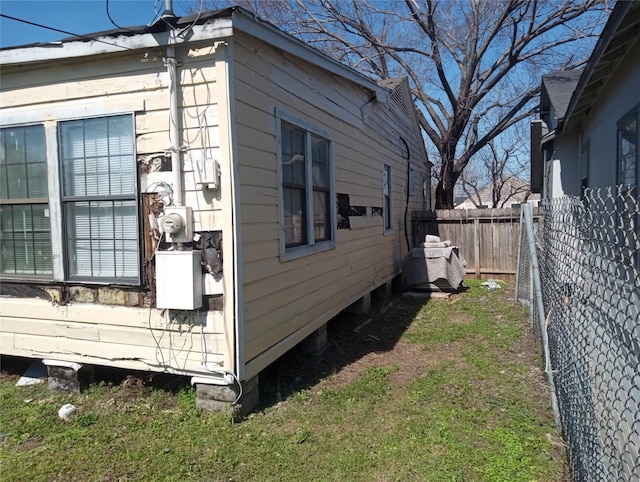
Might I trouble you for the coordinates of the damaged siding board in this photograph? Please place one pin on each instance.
(101, 353)
(94, 314)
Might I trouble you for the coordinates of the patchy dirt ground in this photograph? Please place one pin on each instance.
(358, 342)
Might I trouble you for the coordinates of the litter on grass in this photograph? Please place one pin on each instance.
(491, 284)
(36, 373)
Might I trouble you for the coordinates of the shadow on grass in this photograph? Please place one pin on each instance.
(350, 338)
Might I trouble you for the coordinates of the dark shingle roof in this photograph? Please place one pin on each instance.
(559, 87)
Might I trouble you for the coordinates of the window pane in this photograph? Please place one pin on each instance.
(97, 157)
(294, 217)
(126, 259)
(103, 239)
(37, 173)
(124, 180)
(628, 153)
(120, 138)
(320, 158)
(386, 189)
(17, 178)
(13, 145)
(25, 239)
(23, 163)
(293, 161)
(96, 137)
(386, 173)
(321, 215)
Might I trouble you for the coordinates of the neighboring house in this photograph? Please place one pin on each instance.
(591, 116)
(132, 157)
(589, 254)
(513, 192)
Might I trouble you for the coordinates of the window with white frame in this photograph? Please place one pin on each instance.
(99, 198)
(306, 187)
(95, 205)
(386, 191)
(25, 231)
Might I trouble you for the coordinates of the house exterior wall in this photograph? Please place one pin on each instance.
(598, 130)
(618, 97)
(101, 323)
(562, 171)
(285, 300)
(230, 95)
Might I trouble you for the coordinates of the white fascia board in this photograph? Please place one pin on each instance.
(293, 46)
(219, 28)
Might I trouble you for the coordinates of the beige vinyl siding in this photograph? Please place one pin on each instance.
(286, 300)
(122, 336)
(136, 338)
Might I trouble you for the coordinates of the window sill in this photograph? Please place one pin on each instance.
(301, 251)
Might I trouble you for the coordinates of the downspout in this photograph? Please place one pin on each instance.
(406, 205)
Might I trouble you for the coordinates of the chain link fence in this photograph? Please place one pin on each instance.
(586, 314)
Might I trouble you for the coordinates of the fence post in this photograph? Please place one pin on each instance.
(518, 262)
(537, 292)
(476, 246)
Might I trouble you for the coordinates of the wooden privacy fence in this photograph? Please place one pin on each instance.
(488, 238)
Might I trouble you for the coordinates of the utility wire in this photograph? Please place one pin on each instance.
(155, 17)
(109, 16)
(61, 31)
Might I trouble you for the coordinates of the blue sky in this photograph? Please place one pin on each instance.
(76, 16)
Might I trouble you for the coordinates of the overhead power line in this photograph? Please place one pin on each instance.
(61, 31)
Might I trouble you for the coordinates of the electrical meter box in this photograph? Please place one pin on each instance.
(178, 280)
(177, 223)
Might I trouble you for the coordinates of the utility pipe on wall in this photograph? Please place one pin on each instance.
(174, 131)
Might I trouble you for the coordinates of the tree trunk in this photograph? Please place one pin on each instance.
(444, 189)
(444, 197)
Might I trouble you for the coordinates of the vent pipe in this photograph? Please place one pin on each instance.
(168, 9)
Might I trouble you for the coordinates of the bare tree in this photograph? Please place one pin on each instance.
(474, 65)
(495, 177)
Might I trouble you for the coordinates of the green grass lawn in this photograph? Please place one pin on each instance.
(440, 390)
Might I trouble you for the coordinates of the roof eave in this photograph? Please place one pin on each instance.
(219, 28)
(615, 19)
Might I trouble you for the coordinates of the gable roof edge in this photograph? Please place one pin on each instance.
(615, 19)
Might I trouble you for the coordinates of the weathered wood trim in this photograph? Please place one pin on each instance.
(232, 230)
(75, 109)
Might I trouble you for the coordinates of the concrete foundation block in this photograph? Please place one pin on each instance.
(362, 306)
(316, 343)
(64, 377)
(385, 291)
(63, 380)
(220, 398)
